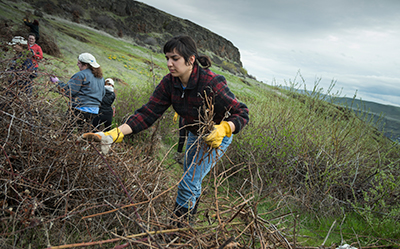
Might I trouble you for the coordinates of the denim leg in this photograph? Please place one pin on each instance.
(198, 162)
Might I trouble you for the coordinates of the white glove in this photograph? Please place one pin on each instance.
(105, 138)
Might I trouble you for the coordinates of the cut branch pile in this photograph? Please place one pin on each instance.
(59, 193)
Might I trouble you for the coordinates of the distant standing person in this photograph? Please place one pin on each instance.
(106, 112)
(85, 90)
(37, 53)
(34, 27)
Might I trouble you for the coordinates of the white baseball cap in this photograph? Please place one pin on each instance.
(109, 81)
(89, 59)
(18, 40)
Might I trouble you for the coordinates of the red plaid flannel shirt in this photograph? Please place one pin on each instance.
(188, 103)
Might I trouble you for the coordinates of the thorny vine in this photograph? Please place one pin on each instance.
(59, 193)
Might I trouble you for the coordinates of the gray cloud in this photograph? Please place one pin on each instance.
(353, 42)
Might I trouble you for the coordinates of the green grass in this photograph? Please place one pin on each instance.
(300, 153)
(345, 229)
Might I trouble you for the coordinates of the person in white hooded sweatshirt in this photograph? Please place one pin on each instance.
(105, 115)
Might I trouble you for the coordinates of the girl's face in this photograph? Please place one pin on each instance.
(178, 67)
(81, 66)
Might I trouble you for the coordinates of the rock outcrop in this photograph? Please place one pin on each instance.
(147, 25)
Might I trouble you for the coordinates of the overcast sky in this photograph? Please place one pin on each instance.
(355, 43)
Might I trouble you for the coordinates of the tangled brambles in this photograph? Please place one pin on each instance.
(57, 191)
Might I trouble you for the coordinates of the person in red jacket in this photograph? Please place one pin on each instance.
(36, 51)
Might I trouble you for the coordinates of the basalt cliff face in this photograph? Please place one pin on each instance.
(145, 24)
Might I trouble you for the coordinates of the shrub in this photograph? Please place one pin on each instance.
(243, 71)
(228, 66)
(318, 154)
(60, 190)
(49, 179)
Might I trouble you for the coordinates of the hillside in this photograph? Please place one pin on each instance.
(148, 27)
(386, 116)
(303, 173)
(144, 24)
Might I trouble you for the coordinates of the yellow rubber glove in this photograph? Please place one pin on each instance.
(220, 131)
(105, 138)
(116, 134)
(175, 117)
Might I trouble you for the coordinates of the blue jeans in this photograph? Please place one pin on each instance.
(198, 161)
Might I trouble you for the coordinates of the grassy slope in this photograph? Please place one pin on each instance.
(389, 116)
(122, 59)
(119, 57)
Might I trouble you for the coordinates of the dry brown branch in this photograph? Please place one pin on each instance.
(62, 194)
(329, 232)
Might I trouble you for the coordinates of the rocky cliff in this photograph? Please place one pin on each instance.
(145, 24)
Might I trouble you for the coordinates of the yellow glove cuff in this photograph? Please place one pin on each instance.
(217, 135)
(227, 127)
(176, 117)
(116, 134)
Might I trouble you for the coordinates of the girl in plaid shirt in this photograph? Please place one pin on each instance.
(186, 86)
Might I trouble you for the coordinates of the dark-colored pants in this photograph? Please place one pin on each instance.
(105, 119)
(182, 135)
(80, 120)
(182, 138)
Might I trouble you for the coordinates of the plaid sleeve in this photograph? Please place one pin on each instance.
(225, 101)
(158, 103)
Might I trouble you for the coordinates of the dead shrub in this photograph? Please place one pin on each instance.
(76, 11)
(49, 45)
(57, 191)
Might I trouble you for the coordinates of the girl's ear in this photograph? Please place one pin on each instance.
(192, 59)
